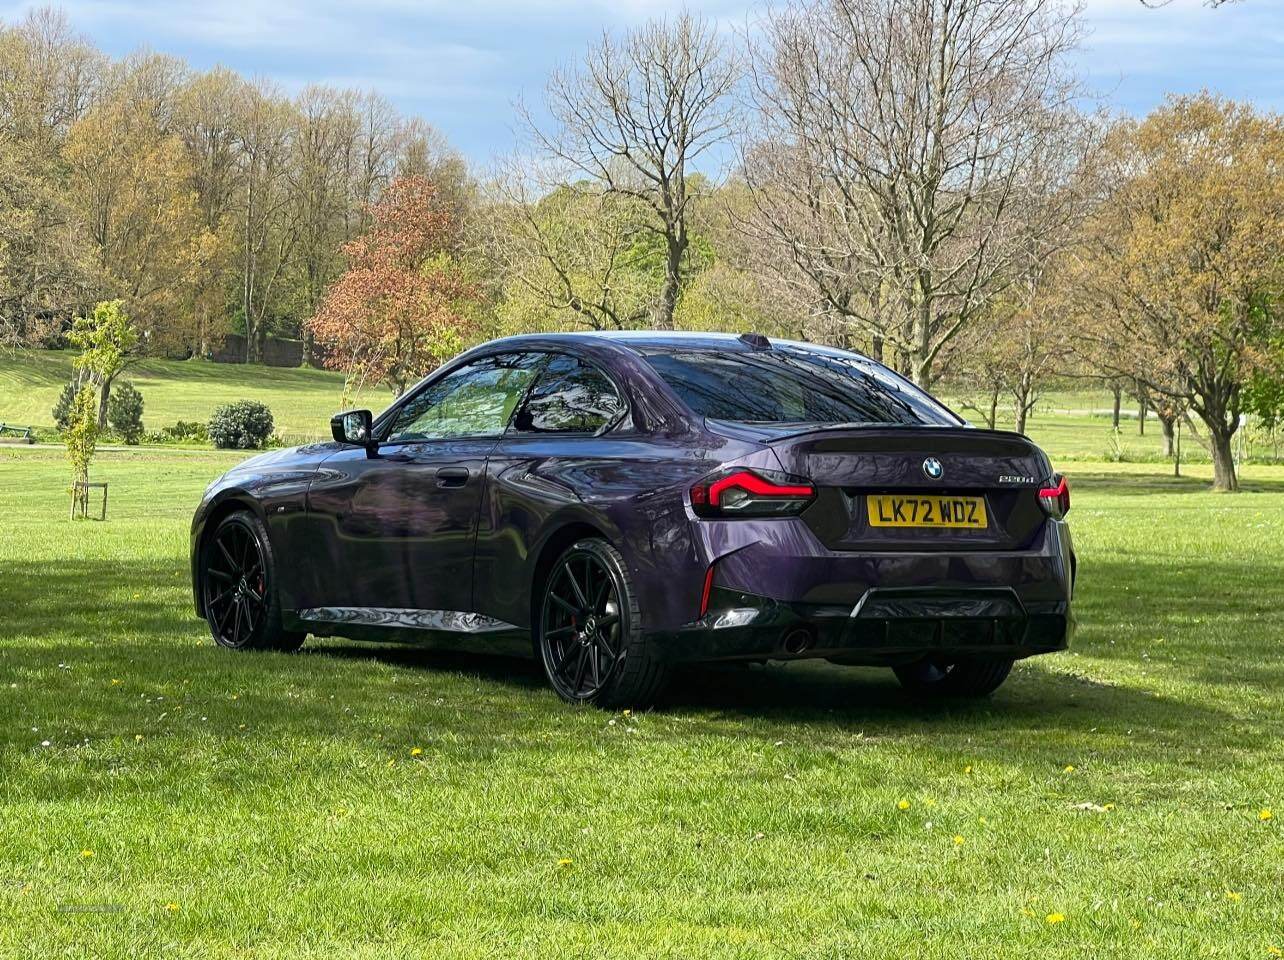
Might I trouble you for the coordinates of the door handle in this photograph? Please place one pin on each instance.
(452, 476)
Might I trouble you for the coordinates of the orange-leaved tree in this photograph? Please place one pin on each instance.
(400, 308)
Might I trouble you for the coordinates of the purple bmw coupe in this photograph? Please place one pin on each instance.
(616, 504)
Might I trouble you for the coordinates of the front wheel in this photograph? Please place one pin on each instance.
(589, 631)
(238, 584)
(963, 678)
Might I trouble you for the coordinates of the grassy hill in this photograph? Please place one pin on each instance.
(301, 399)
(1068, 424)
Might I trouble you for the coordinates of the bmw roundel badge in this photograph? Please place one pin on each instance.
(932, 468)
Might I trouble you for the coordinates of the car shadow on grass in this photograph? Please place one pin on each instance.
(87, 656)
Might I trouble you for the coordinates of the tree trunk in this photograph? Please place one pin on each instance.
(104, 394)
(993, 418)
(1219, 444)
(1166, 431)
(1020, 415)
(876, 349)
(1118, 392)
(1141, 418)
(675, 248)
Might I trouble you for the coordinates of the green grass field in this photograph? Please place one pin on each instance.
(302, 400)
(159, 796)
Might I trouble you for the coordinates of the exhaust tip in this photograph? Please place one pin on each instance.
(798, 640)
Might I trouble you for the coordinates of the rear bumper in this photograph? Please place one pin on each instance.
(886, 627)
(884, 608)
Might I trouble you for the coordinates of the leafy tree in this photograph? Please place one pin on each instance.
(1179, 274)
(401, 307)
(108, 343)
(130, 182)
(125, 412)
(81, 435)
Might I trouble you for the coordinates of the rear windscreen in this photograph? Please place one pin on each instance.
(784, 385)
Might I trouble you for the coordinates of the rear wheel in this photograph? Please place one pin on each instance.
(963, 678)
(589, 631)
(239, 588)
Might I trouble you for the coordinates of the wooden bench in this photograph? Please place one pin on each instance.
(11, 434)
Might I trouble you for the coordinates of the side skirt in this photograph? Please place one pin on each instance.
(440, 629)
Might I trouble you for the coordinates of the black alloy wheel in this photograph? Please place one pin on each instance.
(589, 640)
(237, 588)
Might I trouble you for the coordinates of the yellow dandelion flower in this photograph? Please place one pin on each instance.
(138, 737)
(416, 751)
(902, 804)
(86, 854)
(1275, 951)
(968, 768)
(1108, 806)
(1265, 814)
(1055, 918)
(958, 841)
(172, 907)
(1069, 768)
(565, 862)
(1233, 896)
(115, 682)
(628, 713)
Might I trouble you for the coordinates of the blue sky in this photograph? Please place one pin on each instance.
(460, 65)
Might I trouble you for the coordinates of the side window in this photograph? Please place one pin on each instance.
(572, 396)
(476, 400)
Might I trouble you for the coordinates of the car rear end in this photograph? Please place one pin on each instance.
(905, 537)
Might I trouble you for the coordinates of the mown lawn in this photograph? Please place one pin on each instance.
(161, 797)
(302, 400)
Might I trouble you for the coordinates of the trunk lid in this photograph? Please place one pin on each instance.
(851, 465)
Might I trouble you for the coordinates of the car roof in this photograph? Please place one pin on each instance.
(645, 341)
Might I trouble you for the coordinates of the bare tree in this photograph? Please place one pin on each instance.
(635, 115)
(904, 148)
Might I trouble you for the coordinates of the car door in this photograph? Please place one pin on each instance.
(559, 445)
(398, 525)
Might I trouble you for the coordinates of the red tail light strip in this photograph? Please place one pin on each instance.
(704, 596)
(1054, 493)
(1056, 500)
(752, 483)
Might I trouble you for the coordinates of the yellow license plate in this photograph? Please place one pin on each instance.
(926, 510)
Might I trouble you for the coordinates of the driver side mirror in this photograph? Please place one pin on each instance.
(353, 427)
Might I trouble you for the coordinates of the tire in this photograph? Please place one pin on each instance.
(588, 631)
(238, 587)
(961, 679)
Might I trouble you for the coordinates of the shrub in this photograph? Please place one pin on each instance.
(244, 425)
(185, 431)
(62, 410)
(125, 412)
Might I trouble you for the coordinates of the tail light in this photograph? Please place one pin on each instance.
(1055, 499)
(751, 493)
